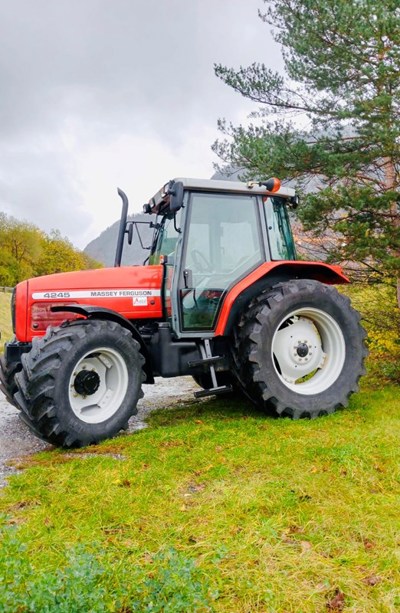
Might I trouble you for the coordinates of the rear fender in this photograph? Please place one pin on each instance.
(95, 312)
(267, 275)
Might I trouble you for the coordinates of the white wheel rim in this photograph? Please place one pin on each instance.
(106, 389)
(308, 351)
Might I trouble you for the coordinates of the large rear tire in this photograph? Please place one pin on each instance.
(80, 383)
(299, 349)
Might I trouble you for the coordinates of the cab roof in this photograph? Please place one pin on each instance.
(232, 186)
(213, 185)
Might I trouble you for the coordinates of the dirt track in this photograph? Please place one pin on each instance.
(16, 440)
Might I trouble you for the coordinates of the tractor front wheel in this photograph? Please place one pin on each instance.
(80, 383)
(300, 349)
(8, 370)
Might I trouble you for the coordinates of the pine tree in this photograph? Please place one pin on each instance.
(331, 123)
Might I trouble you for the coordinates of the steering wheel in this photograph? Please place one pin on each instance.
(200, 261)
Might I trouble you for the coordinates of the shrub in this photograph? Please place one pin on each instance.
(377, 304)
(88, 582)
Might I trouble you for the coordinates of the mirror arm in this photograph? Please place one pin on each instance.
(178, 230)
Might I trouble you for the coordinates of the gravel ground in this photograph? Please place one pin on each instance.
(16, 440)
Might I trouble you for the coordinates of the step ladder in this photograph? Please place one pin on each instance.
(208, 359)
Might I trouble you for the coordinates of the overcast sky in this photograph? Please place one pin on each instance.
(97, 94)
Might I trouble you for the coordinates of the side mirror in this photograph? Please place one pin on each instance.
(176, 196)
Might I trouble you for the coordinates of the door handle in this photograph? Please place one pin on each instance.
(187, 278)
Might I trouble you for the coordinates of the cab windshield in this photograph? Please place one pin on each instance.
(165, 238)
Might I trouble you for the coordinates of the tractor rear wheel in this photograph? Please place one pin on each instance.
(299, 349)
(80, 383)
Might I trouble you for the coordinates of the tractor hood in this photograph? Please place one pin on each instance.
(132, 291)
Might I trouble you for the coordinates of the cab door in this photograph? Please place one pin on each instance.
(223, 243)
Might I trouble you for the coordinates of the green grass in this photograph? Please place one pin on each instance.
(5, 318)
(215, 507)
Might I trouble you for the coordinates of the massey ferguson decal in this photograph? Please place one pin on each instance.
(139, 296)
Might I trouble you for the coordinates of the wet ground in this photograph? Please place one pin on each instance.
(16, 440)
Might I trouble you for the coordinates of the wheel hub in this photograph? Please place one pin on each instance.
(87, 382)
(297, 348)
(302, 349)
(98, 385)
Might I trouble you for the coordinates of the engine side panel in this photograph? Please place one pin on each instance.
(132, 291)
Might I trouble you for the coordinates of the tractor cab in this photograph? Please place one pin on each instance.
(209, 235)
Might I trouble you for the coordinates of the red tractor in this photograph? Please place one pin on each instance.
(221, 297)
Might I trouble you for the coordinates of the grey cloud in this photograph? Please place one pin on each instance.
(114, 67)
(41, 188)
(102, 57)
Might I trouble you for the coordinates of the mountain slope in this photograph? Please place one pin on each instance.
(103, 247)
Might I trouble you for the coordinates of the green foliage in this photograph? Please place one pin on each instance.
(59, 255)
(381, 319)
(342, 62)
(5, 318)
(214, 506)
(176, 586)
(20, 247)
(26, 251)
(87, 582)
(76, 587)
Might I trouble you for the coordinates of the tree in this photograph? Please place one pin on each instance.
(59, 255)
(26, 251)
(20, 247)
(331, 123)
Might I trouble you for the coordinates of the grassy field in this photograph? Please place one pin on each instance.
(5, 319)
(214, 507)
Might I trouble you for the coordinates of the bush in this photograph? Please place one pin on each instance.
(77, 587)
(377, 304)
(89, 582)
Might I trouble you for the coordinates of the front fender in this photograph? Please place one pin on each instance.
(95, 312)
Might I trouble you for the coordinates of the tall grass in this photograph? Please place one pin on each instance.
(5, 318)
